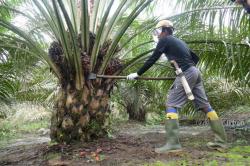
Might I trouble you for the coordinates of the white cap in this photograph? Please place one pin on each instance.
(164, 23)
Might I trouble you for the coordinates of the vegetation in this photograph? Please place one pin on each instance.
(73, 39)
(22, 119)
(45, 65)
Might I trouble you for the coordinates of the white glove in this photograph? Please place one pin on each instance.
(132, 76)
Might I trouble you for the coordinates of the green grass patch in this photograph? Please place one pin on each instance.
(241, 149)
(238, 155)
(158, 163)
(9, 131)
(33, 126)
(52, 156)
(171, 163)
(211, 163)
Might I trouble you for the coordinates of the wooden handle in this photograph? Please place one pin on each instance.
(184, 82)
(175, 64)
(138, 78)
(156, 78)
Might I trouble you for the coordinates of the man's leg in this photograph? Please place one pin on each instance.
(201, 102)
(220, 141)
(176, 99)
(172, 131)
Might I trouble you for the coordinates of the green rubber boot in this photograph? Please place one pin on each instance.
(172, 144)
(220, 141)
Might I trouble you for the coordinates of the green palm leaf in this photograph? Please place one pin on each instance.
(141, 6)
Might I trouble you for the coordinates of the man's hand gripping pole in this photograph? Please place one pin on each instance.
(183, 80)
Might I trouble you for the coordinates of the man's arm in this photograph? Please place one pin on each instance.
(154, 57)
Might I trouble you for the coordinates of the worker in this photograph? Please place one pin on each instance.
(244, 3)
(177, 50)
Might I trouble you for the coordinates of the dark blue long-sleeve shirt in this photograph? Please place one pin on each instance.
(174, 49)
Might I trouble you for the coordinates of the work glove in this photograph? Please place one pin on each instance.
(132, 76)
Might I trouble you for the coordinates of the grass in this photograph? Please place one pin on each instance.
(172, 163)
(33, 126)
(7, 131)
(237, 155)
(10, 131)
(23, 118)
(241, 149)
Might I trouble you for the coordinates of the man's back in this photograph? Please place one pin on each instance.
(176, 49)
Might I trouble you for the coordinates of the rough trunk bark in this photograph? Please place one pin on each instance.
(80, 115)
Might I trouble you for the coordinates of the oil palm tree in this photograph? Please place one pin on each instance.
(11, 66)
(85, 40)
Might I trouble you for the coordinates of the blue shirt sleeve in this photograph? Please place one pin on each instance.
(153, 58)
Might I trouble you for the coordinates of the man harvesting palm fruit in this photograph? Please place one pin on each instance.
(178, 52)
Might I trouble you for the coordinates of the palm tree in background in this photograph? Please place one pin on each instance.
(218, 31)
(9, 67)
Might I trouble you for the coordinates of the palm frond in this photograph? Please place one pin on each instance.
(85, 25)
(75, 48)
(97, 44)
(215, 31)
(30, 42)
(139, 8)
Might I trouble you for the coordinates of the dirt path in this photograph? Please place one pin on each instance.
(132, 145)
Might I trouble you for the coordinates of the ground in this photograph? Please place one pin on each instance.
(131, 144)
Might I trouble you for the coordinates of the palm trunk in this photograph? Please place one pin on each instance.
(136, 113)
(80, 115)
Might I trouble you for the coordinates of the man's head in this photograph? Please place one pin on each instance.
(238, 1)
(244, 3)
(164, 28)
